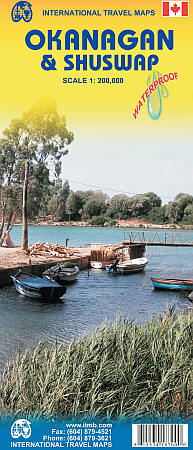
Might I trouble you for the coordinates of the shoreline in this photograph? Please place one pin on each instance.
(16, 258)
(139, 226)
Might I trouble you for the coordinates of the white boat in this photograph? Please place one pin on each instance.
(62, 273)
(101, 264)
(128, 266)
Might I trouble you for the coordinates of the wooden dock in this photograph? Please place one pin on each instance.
(158, 238)
(38, 267)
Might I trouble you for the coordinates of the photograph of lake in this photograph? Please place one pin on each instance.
(96, 296)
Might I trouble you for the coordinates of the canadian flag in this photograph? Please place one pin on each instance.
(175, 9)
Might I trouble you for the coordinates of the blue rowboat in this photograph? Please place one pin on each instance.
(35, 287)
(173, 284)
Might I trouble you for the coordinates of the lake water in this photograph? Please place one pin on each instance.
(86, 304)
(79, 236)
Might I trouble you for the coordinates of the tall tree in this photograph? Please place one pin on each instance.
(72, 206)
(119, 206)
(154, 199)
(39, 136)
(94, 207)
(175, 210)
(57, 200)
(188, 215)
(140, 205)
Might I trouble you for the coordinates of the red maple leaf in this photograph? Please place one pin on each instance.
(175, 8)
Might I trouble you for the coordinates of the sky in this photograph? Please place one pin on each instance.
(111, 149)
(123, 164)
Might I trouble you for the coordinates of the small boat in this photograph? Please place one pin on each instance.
(127, 266)
(62, 273)
(35, 287)
(173, 284)
(101, 264)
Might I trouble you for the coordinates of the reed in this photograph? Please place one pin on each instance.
(124, 369)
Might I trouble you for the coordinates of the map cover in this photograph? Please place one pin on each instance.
(95, 163)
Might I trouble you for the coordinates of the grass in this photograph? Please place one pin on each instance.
(123, 370)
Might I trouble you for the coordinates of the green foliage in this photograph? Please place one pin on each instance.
(188, 215)
(123, 207)
(39, 187)
(186, 199)
(154, 199)
(157, 215)
(63, 195)
(123, 370)
(58, 195)
(72, 206)
(99, 220)
(175, 210)
(140, 205)
(111, 222)
(119, 206)
(85, 204)
(41, 137)
(94, 207)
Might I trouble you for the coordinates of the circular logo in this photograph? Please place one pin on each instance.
(22, 10)
(21, 427)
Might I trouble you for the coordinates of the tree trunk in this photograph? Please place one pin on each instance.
(3, 219)
(11, 216)
(9, 242)
(25, 221)
(4, 235)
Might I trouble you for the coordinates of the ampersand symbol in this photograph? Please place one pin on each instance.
(48, 63)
